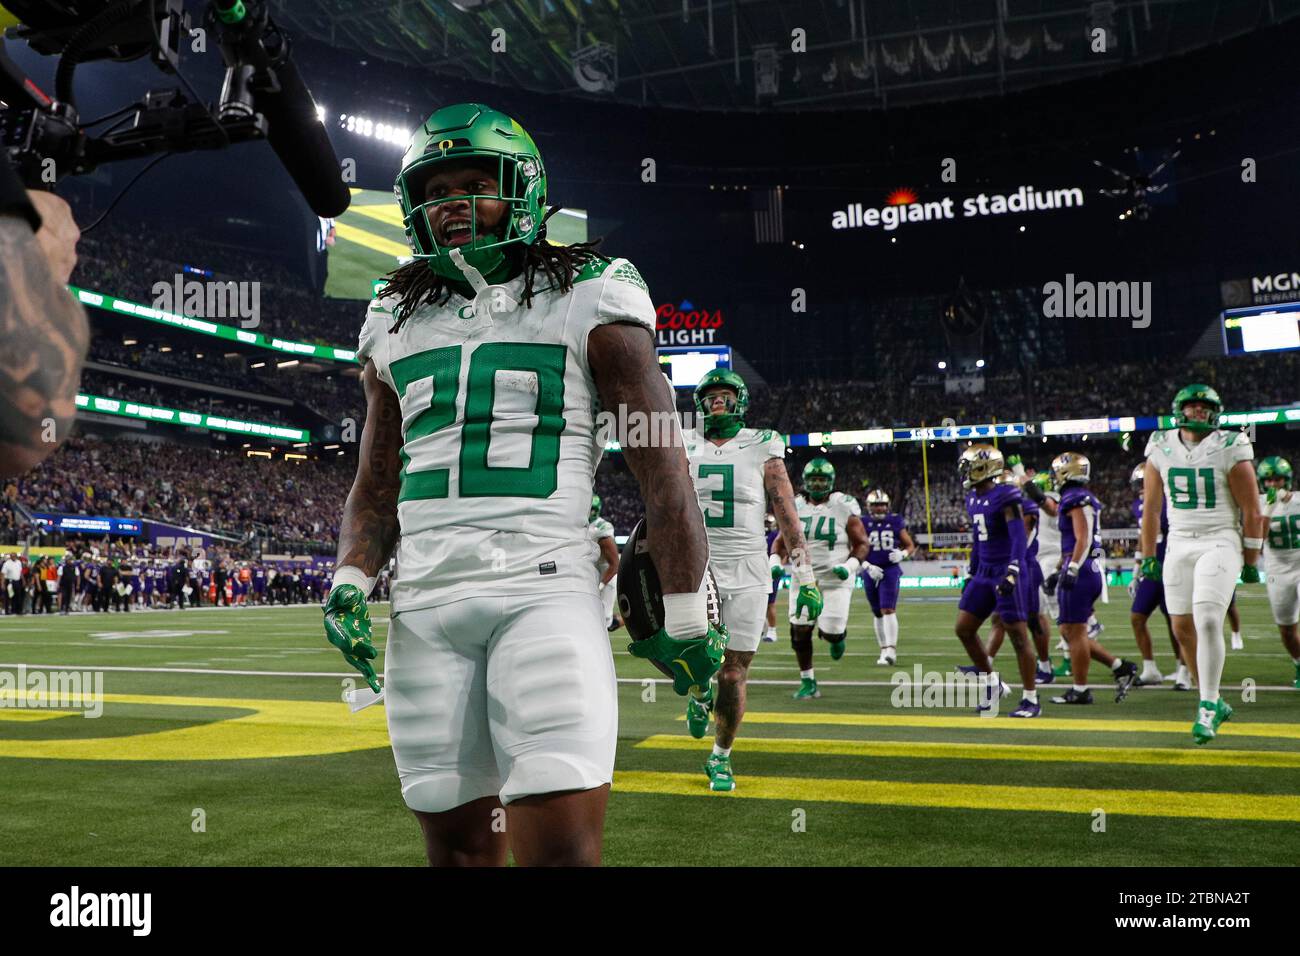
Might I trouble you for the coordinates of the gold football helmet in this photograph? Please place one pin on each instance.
(979, 463)
(1070, 466)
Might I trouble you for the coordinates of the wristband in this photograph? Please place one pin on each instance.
(1073, 567)
(349, 574)
(774, 560)
(686, 614)
(1252, 544)
(803, 575)
(853, 565)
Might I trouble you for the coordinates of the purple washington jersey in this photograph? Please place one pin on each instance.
(990, 527)
(1028, 507)
(884, 534)
(1076, 603)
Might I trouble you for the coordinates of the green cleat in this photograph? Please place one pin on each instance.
(837, 650)
(698, 713)
(807, 689)
(1296, 682)
(718, 768)
(1209, 717)
(1062, 669)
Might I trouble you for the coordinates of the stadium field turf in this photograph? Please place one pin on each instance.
(224, 740)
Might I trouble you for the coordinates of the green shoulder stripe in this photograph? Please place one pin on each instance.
(1232, 437)
(592, 269)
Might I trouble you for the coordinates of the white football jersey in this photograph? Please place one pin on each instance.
(1282, 536)
(825, 530)
(599, 530)
(1049, 532)
(729, 482)
(499, 439)
(1196, 479)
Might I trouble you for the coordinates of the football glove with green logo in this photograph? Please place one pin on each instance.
(1249, 574)
(810, 599)
(692, 663)
(347, 626)
(1151, 568)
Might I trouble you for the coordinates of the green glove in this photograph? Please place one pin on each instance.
(347, 626)
(1013, 460)
(1249, 574)
(841, 572)
(811, 598)
(778, 572)
(692, 663)
(1150, 568)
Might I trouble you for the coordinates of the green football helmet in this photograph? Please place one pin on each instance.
(472, 131)
(595, 509)
(723, 424)
(1197, 393)
(818, 479)
(1274, 466)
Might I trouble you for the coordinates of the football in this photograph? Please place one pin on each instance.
(640, 596)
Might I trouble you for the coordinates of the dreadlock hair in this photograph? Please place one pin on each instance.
(415, 283)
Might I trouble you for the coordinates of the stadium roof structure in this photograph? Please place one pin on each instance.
(737, 54)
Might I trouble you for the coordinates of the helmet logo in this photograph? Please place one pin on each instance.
(445, 144)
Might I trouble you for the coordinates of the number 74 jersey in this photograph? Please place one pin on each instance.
(1195, 478)
(499, 438)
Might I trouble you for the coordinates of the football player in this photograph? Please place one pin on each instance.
(837, 544)
(602, 533)
(997, 554)
(1148, 595)
(1032, 580)
(778, 572)
(1079, 579)
(1206, 477)
(881, 571)
(1281, 508)
(483, 361)
(735, 469)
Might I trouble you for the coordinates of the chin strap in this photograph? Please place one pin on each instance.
(489, 299)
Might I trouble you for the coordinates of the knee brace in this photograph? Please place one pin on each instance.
(831, 638)
(800, 637)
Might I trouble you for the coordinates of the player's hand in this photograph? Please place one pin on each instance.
(841, 572)
(875, 572)
(896, 556)
(1007, 586)
(778, 572)
(1070, 578)
(691, 663)
(1249, 574)
(809, 599)
(347, 626)
(1151, 569)
(1133, 581)
(1049, 584)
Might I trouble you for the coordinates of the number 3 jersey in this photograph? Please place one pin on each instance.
(825, 531)
(499, 443)
(729, 483)
(1195, 478)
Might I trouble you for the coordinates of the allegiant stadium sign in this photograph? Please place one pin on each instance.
(890, 217)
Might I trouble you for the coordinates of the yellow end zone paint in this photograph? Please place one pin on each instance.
(1199, 757)
(1237, 728)
(27, 716)
(276, 728)
(970, 796)
(370, 240)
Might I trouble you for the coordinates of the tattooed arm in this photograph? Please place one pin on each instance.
(779, 492)
(369, 530)
(43, 337)
(627, 375)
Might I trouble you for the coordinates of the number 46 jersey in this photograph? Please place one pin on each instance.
(499, 443)
(1196, 479)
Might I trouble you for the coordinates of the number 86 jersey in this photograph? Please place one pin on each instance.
(1195, 479)
(499, 443)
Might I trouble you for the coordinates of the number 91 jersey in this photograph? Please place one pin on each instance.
(1195, 479)
(499, 444)
(825, 532)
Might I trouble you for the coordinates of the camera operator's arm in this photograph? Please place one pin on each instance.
(43, 329)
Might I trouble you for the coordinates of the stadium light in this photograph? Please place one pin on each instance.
(943, 365)
(164, 348)
(979, 363)
(130, 341)
(287, 364)
(257, 365)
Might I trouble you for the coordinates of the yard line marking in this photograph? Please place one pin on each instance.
(975, 751)
(972, 722)
(970, 796)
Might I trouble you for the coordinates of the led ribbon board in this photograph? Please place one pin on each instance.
(174, 416)
(111, 303)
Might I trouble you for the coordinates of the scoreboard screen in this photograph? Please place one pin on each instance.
(686, 366)
(1263, 328)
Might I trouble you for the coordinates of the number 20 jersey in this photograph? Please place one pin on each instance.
(1195, 477)
(499, 444)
